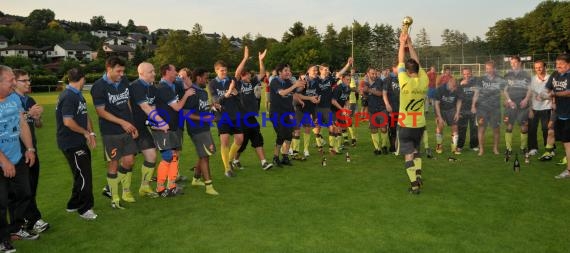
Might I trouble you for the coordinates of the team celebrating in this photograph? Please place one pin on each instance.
(149, 118)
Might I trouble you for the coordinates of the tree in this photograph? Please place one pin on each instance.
(505, 37)
(98, 22)
(17, 62)
(454, 41)
(297, 30)
(422, 40)
(131, 27)
(332, 45)
(383, 44)
(202, 50)
(173, 49)
(139, 56)
(39, 18)
(53, 25)
(312, 31)
(227, 53)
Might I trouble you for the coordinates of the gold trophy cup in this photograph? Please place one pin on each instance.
(406, 23)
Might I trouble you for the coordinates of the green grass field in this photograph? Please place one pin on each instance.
(475, 205)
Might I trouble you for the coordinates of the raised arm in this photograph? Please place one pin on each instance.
(413, 53)
(345, 68)
(401, 50)
(241, 65)
(261, 73)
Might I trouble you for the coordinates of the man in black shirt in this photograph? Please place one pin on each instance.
(75, 138)
(517, 95)
(340, 108)
(33, 113)
(486, 104)
(305, 101)
(198, 116)
(448, 100)
(560, 87)
(143, 95)
(111, 99)
(374, 90)
(323, 110)
(391, 98)
(467, 86)
(246, 86)
(226, 101)
(282, 114)
(168, 104)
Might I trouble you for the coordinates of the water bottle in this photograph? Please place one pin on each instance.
(517, 164)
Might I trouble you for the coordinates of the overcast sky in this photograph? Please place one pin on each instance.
(272, 19)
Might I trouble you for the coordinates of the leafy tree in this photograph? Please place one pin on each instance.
(6, 32)
(68, 64)
(312, 31)
(383, 45)
(173, 49)
(53, 25)
(422, 40)
(202, 50)
(98, 22)
(18, 62)
(332, 45)
(227, 53)
(39, 18)
(297, 30)
(50, 37)
(131, 27)
(505, 37)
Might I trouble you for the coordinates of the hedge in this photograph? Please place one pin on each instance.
(40, 83)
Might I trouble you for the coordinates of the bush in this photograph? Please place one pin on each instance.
(44, 83)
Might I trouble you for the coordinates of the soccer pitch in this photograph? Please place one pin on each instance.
(477, 204)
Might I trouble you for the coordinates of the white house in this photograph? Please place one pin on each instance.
(119, 50)
(121, 41)
(100, 33)
(104, 33)
(78, 51)
(3, 42)
(20, 50)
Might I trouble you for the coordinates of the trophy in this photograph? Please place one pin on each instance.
(406, 23)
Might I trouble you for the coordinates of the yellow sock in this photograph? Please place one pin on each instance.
(425, 139)
(352, 133)
(319, 140)
(411, 170)
(225, 151)
(418, 163)
(338, 142)
(438, 139)
(147, 169)
(295, 144)
(454, 140)
(122, 177)
(509, 140)
(384, 139)
(524, 140)
(306, 141)
(375, 140)
(113, 182)
(233, 151)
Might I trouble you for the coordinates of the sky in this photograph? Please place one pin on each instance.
(272, 19)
